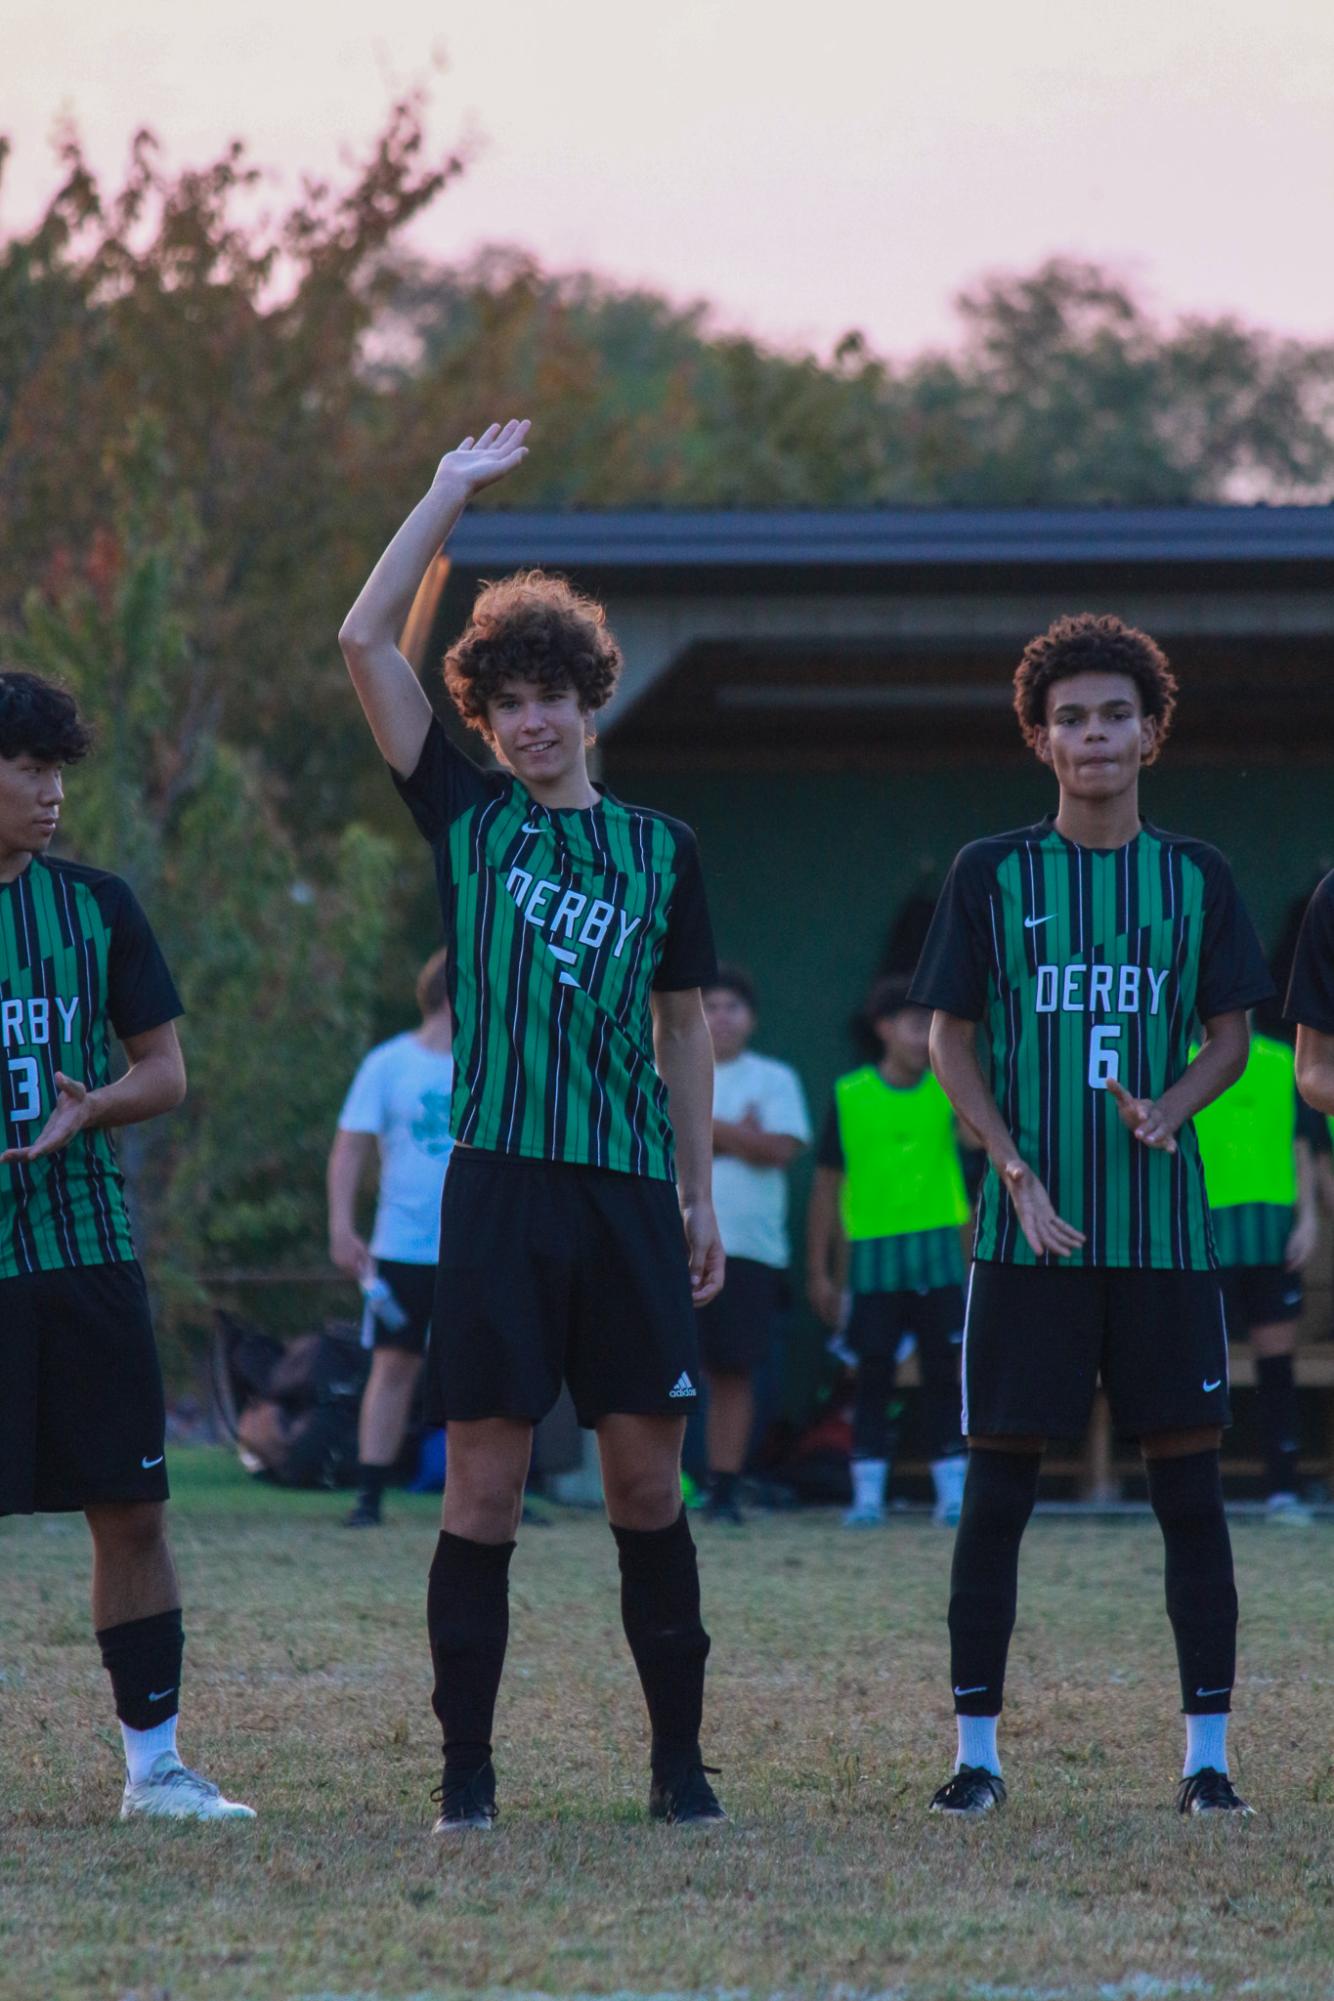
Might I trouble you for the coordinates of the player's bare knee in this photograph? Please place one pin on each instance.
(128, 1529)
(1181, 1444)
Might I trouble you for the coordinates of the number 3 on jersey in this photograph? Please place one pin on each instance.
(1104, 1058)
(26, 1088)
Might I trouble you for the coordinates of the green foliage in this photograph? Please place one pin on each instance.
(276, 952)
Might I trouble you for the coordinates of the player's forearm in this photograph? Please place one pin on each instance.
(757, 1149)
(823, 1236)
(954, 1060)
(685, 1064)
(1221, 1060)
(342, 1180)
(385, 599)
(151, 1086)
(1315, 1069)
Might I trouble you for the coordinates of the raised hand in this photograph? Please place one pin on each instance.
(480, 462)
(1044, 1229)
(69, 1117)
(1150, 1124)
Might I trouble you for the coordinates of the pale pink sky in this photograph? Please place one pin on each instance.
(842, 163)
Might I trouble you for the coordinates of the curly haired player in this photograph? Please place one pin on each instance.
(577, 1226)
(1081, 954)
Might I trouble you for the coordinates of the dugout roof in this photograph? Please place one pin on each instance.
(873, 636)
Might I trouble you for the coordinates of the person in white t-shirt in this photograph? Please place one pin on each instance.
(760, 1125)
(398, 1103)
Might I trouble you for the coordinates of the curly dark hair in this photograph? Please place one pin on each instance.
(733, 980)
(889, 996)
(1093, 643)
(532, 627)
(38, 719)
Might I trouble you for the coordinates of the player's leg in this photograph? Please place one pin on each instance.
(872, 1336)
(938, 1325)
(1165, 1371)
(467, 1605)
(736, 1334)
(730, 1420)
(101, 1420)
(660, 1602)
(386, 1402)
(493, 1369)
(1030, 1361)
(1275, 1299)
(632, 1366)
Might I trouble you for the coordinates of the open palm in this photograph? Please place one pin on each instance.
(480, 462)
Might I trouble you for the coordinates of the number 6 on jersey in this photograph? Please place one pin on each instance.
(1104, 1060)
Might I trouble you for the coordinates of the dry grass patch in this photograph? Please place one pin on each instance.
(307, 1692)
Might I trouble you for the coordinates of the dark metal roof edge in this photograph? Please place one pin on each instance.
(894, 537)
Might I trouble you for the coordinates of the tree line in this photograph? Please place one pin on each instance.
(210, 418)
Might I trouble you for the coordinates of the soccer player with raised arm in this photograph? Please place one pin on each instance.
(1069, 964)
(1310, 1001)
(577, 1226)
(82, 1416)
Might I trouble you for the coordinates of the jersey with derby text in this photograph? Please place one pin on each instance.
(561, 924)
(1085, 965)
(78, 960)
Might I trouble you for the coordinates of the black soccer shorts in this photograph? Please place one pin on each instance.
(1037, 1339)
(552, 1273)
(737, 1330)
(82, 1415)
(880, 1321)
(1260, 1296)
(413, 1289)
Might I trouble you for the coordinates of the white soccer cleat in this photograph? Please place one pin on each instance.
(865, 1515)
(173, 1792)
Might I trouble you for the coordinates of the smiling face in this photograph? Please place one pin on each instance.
(541, 734)
(1096, 736)
(31, 792)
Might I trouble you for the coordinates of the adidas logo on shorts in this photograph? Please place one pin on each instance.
(682, 1387)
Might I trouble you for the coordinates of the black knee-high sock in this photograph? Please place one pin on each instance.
(1187, 1497)
(870, 1407)
(660, 1612)
(998, 1498)
(143, 1658)
(468, 1618)
(941, 1396)
(1278, 1422)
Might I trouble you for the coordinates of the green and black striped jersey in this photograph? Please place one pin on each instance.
(78, 961)
(1083, 965)
(560, 926)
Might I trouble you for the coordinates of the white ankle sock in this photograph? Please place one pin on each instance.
(868, 1482)
(144, 1747)
(1206, 1744)
(977, 1743)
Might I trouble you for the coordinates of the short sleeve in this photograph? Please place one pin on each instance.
(1310, 999)
(688, 955)
(1234, 973)
(829, 1153)
(364, 1106)
(785, 1105)
(956, 958)
(443, 786)
(141, 993)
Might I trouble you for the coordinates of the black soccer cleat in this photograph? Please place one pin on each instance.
(972, 1791)
(363, 1515)
(684, 1797)
(1208, 1791)
(727, 1510)
(467, 1803)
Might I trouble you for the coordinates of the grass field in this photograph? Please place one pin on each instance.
(307, 1690)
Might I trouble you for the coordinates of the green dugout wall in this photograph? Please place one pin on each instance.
(825, 698)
